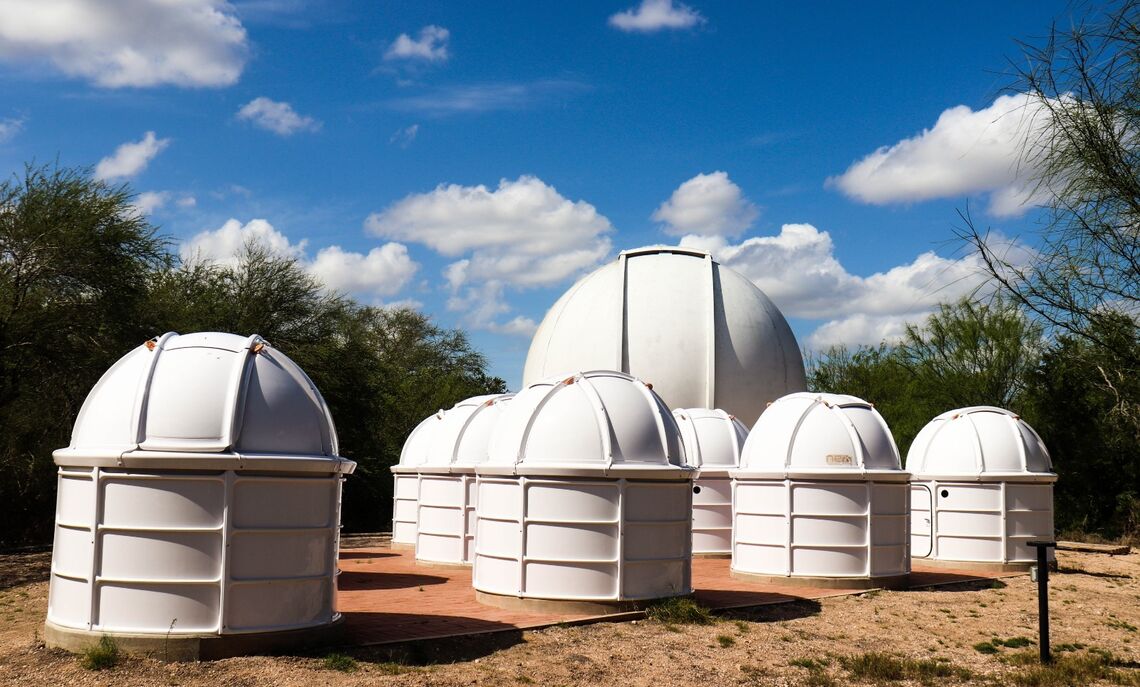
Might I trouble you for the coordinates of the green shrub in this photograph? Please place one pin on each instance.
(103, 655)
(679, 610)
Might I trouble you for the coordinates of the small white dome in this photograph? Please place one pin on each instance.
(418, 445)
(199, 395)
(820, 433)
(701, 333)
(713, 439)
(973, 442)
(463, 433)
(589, 423)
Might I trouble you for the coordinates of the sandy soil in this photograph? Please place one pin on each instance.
(1095, 605)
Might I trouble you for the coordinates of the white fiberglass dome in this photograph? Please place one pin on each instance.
(201, 398)
(819, 433)
(590, 423)
(461, 437)
(978, 442)
(713, 438)
(418, 446)
(702, 334)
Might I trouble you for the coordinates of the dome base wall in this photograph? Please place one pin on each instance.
(196, 647)
(882, 582)
(562, 606)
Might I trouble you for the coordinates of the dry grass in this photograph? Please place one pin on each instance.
(889, 638)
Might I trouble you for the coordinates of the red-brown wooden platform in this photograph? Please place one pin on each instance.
(386, 597)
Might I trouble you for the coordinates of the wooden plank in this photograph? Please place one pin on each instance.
(1110, 549)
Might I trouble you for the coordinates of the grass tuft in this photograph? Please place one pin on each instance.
(725, 641)
(1072, 669)
(986, 648)
(101, 656)
(341, 662)
(879, 666)
(679, 610)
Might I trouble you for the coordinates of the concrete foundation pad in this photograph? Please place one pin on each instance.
(197, 647)
(401, 546)
(884, 582)
(442, 565)
(560, 606)
(979, 566)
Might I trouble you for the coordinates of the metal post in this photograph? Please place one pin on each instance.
(1043, 596)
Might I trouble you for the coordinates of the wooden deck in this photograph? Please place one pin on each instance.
(386, 597)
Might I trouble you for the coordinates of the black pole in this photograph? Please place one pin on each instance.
(1043, 597)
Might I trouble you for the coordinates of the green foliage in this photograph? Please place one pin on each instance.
(102, 655)
(680, 610)
(1070, 670)
(986, 648)
(725, 641)
(966, 354)
(84, 279)
(340, 662)
(75, 262)
(1085, 403)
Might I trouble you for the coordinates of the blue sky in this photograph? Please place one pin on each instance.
(473, 159)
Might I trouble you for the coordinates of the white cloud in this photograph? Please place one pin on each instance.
(10, 127)
(129, 159)
(521, 234)
(404, 137)
(278, 117)
(136, 43)
(431, 45)
(383, 271)
(656, 15)
(708, 205)
(225, 244)
(965, 152)
(149, 202)
(798, 270)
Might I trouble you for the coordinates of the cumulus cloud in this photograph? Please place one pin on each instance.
(10, 127)
(430, 46)
(964, 153)
(130, 159)
(798, 270)
(383, 271)
(521, 234)
(707, 205)
(278, 117)
(126, 43)
(656, 15)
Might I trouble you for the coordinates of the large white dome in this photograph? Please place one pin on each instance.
(589, 423)
(820, 433)
(197, 398)
(703, 335)
(978, 442)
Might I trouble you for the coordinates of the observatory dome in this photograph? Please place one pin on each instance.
(460, 440)
(589, 422)
(819, 433)
(202, 399)
(702, 334)
(406, 480)
(713, 441)
(199, 500)
(976, 442)
(982, 489)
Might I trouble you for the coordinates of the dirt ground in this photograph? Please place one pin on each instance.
(944, 636)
